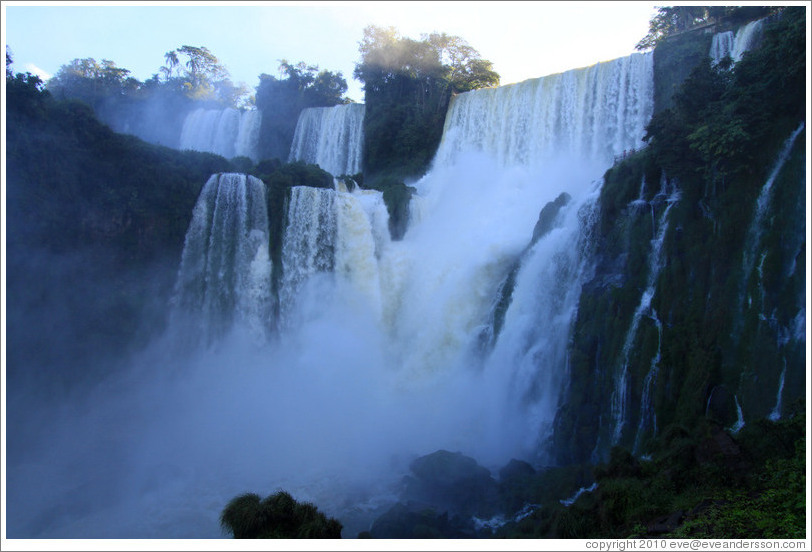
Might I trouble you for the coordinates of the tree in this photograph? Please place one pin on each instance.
(172, 63)
(408, 85)
(282, 99)
(670, 20)
(92, 82)
(278, 516)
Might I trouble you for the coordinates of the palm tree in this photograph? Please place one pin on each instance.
(171, 63)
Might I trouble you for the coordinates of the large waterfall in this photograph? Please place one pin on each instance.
(593, 113)
(227, 132)
(330, 137)
(328, 356)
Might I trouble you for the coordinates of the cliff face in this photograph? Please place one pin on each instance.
(697, 307)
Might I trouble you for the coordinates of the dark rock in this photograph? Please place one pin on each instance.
(415, 520)
(721, 406)
(719, 447)
(452, 482)
(548, 215)
(516, 469)
(665, 524)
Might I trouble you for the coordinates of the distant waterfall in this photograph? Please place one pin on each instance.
(227, 132)
(225, 271)
(735, 45)
(330, 137)
(595, 113)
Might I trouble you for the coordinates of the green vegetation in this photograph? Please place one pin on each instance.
(96, 225)
(717, 144)
(408, 84)
(282, 99)
(278, 516)
(699, 484)
(673, 20)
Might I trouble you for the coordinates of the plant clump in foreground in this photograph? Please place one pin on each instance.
(278, 516)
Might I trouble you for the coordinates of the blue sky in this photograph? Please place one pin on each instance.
(523, 39)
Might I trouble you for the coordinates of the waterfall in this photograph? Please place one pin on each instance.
(332, 232)
(595, 113)
(225, 270)
(762, 207)
(227, 132)
(727, 44)
(775, 414)
(374, 356)
(509, 151)
(739, 424)
(308, 247)
(330, 137)
(648, 418)
(619, 401)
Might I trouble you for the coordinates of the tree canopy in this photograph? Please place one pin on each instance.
(450, 60)
(282, 99)
(670, 20)
(408, 84)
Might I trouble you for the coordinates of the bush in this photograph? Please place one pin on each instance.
(278, 516)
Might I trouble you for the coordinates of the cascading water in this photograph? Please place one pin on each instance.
(225, 268)
(227, 132)
(775, 414)
(331, 232)
(735, 45)
(560, 132)
(376, 357)
(762, 206)
(595, 113)
(330, 137)
(619, 401)
(648, 418)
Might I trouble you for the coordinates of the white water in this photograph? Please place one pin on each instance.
(728, 44)
(648, 417)
(330, 137)
(376, 359)
(775, 413)
(571, 500)
(227, 132)
(225, 269)
(763, 204)
(619, 400)
(593, 113)
(739, 424)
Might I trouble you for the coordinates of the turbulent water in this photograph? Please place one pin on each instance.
(377, 357)
(225, 270)
(227, 132)
(330, 137)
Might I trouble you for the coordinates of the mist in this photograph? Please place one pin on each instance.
(332, 408)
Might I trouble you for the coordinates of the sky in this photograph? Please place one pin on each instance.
(523, 39)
